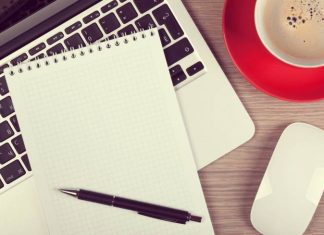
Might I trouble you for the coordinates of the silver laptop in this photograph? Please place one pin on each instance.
(216, 120)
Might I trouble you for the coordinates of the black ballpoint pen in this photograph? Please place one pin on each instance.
(142, 208)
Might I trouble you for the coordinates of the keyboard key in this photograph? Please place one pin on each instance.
(74, 42)
(145, 5)
(91, 17)
(55, 38)
(73, 27)
(92, 33)
(3, 67)
(129, 29)
(3, 86)
(109, 6)
(177, 75)
(26, 162)
(165, 39)
(1, 184)
(164, 16)
(146, 22)
(127, 13)
(112, 37)
(178, 51)
(18, 144)
(19, 59)
(15, 123)
(197, 67)
(40, 56)
(12, 172)
(57, 49)
(5, 131)
(109, 23)
(6, 107)
(6, 153)
(37, 49)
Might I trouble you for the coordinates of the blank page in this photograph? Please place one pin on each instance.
(108, 121)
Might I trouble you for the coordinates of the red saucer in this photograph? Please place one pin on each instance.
(259, 66)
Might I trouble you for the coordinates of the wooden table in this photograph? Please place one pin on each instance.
(230, 184)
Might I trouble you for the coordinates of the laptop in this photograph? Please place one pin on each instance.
(215, 119)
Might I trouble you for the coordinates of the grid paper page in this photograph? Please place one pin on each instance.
(109, 122)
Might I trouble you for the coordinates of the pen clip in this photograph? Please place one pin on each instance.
(160, 217)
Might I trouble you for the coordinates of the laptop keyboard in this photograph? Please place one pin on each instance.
(107, 21)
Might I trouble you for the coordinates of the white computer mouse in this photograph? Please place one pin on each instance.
(293, 183)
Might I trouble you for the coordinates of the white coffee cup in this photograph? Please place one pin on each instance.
(272, 48)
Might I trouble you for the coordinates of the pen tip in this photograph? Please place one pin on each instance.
(70, 192)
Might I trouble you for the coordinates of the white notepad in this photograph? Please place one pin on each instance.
(108, 121)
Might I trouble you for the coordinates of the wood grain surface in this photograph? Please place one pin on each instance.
(230, 184)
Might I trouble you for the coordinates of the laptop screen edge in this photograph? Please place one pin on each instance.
(45, 26)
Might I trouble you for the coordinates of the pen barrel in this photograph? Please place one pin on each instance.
(96, 197)
(151, 209)
(142, 208)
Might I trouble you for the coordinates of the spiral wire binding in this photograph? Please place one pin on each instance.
(82, 51)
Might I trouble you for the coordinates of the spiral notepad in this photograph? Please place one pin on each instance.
(106, 118)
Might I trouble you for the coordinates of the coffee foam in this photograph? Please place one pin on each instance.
(296, 27)
(305, 11)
